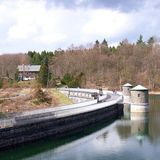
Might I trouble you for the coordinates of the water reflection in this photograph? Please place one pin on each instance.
(133, 128)
(126, 111)
(119, 140)
(52, 146)
(154, 116)
(133, 116)
(135, 136)
(134, 124)
(141, 125)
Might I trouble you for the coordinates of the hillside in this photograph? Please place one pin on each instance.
(24, 99)
(98, 65)
(109, 67)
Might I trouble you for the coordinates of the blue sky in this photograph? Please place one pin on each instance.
(52, 24)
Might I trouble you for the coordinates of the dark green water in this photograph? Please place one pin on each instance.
(131, 138)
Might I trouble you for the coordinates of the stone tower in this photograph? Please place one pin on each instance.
(126, 89)
(139, 99)
(126, 92)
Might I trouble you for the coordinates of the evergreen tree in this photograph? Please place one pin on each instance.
(16, 76)
(97, 44)
(151, 40)
(36, 59)
(104, 46)
(30, 54)
(43, 54)
(67, 79)
(140, 40)
(44, 73)
(104, 43)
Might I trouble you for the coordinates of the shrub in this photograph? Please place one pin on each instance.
(73, 81)
(42, 97)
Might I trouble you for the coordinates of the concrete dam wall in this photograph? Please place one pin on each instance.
(56, 127)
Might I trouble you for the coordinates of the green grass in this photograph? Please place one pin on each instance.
(31, 83)
(63, 100)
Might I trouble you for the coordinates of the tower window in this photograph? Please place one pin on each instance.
(138, 95)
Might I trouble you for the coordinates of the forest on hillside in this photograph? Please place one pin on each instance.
(111, 67)
(99, 65)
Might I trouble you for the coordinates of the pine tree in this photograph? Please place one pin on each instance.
(104, 46)
(104, 43)
(97, 44)
(151, 40)
(16, 76)
(44, 73)
(140, 40)
(36, 59)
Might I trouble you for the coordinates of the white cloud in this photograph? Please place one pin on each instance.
(31, 25)
(78, 2)
(107, 23)
(48, 39)
(35, 23)
(21, 31)
(2, 10)
(28, 16)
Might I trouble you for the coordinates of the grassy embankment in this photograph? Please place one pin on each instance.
(25, 96)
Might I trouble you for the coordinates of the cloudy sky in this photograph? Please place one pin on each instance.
(51, 24)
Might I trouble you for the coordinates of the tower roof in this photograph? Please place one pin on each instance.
(127, 85)
(139, 88)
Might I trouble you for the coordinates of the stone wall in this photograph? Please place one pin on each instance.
(126, 91)
(139, 97)
(56, 126)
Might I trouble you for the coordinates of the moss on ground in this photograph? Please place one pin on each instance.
(63, 100)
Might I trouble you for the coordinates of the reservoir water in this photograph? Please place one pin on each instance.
(130, 137)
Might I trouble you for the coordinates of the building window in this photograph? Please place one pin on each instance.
(138, 95)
